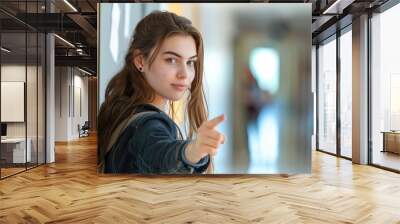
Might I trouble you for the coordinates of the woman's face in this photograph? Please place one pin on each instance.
(173, 69)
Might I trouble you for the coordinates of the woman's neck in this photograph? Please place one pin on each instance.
(160, 102)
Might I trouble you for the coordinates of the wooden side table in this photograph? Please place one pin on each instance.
(391, 141)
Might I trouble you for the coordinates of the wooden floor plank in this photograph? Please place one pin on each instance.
(71, 191)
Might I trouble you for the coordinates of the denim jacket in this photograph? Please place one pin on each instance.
(150, 144)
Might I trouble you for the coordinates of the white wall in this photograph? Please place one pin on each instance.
(61, 103)
(67, 115)
(14, 73)
(33, 126)
(17, 73)
(80, 83)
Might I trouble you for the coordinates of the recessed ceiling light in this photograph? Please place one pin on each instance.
(84, 71)
(70, 5)
(5, 50)
(338, 6)
(64, 40)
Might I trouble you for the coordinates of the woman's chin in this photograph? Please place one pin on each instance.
(176, 97)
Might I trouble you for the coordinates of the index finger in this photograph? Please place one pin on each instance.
(215, 121)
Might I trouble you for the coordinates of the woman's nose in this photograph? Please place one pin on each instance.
(183, 72)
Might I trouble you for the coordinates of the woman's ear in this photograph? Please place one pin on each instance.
(138, 60)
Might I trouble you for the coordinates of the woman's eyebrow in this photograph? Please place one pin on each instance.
(177, 55)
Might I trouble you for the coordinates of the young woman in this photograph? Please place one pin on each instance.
(136, 133)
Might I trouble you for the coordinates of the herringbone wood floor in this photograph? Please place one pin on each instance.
(70, 191)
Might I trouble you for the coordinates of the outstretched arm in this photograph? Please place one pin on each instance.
(158, 150)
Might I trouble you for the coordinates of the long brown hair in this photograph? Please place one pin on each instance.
(128, 88)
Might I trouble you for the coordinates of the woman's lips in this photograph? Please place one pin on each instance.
(179, 87)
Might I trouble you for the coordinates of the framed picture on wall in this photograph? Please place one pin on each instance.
(12, 101)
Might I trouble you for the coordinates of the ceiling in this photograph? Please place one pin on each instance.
(76, 22)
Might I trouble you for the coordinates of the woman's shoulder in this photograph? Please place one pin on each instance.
(148, 117)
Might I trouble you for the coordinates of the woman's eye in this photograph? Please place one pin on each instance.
(171, 60)
(191, 63)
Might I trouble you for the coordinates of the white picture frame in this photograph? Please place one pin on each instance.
(12, 101)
